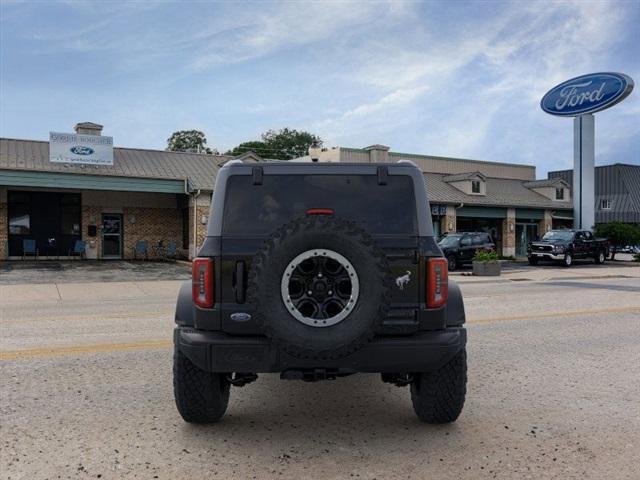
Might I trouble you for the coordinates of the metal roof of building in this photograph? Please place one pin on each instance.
(198, 168)
(500, 192)
(201, 171)
(547, 182)
(463, 176)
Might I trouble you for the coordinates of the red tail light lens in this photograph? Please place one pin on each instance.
(437, 282)
(202, 282)
(320, 211)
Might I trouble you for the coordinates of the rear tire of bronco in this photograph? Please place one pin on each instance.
(201, 397)
(438, 397)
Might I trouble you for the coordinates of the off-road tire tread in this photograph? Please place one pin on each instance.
(201, 397)
(333, 224)
(438, 397)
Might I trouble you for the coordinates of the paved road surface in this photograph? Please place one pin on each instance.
(553, 393)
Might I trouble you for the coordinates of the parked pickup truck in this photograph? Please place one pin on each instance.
(565, 246)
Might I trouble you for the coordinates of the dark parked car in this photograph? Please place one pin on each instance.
(317, 271)
(565, 246)
(459, 248)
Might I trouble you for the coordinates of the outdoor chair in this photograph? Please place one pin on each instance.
(172, 249)
(79, 248)
(29, 248)
(142, 249)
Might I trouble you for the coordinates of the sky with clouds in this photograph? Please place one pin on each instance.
(450, 78)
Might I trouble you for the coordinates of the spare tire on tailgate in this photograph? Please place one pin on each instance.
(320, 287)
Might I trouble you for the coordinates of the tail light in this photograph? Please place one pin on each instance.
(202, 287)
(320, 211)
(437, 282)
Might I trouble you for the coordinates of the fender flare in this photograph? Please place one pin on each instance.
(184, 306)
(455, 306)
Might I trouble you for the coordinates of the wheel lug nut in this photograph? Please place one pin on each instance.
(320, 275)
(309, 292)
(330, 292)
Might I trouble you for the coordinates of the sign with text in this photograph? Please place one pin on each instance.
(587, 94)
(80, 149)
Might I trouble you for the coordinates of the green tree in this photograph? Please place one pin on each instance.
(256, 146)
(189, 141)
(283, 144)
(619, 234)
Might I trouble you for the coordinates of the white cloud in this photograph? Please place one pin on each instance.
(484, 80)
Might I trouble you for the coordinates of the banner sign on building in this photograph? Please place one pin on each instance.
(80, 149)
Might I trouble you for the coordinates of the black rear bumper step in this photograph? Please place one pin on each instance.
(217, 352)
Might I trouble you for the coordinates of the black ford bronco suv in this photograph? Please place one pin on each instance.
(318, 271)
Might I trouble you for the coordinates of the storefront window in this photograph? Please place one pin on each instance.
(70, 214)
(19, 220)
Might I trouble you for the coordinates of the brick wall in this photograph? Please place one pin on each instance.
(509, 233)
(449, 220)
(545, 224)
(92, 216)
(151, 224)
(202, 210)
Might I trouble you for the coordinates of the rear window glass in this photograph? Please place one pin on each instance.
(261, 209)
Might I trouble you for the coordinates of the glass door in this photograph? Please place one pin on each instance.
(111, 235)
(525, 233)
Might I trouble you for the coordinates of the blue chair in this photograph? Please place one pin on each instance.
(29, 248)
(142, 249)
(172, 249)
(79, 248)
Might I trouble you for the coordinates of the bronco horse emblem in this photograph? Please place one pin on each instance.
(403, 280)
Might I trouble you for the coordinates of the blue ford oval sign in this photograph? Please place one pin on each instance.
(80, 150)
(587, 94)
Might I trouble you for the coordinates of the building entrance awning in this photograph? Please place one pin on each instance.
(562, 216)
(30, 178)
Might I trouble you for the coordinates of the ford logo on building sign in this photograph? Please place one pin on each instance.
(80, 150)
(587, 94)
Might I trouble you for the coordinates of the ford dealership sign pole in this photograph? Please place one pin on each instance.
(580, 97)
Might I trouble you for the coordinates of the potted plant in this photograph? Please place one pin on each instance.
(486, 264)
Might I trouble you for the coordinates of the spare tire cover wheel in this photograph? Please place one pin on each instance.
(320, 287)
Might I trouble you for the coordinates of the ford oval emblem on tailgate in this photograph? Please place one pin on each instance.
(240, 317)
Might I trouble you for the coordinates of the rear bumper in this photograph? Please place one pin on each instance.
(217, 352)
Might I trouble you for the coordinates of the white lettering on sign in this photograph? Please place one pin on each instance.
(570, 95)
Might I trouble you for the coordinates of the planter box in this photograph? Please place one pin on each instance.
(486, 269)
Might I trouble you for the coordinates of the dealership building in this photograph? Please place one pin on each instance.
(128, 195)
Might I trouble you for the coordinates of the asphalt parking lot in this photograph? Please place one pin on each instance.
(553, 389)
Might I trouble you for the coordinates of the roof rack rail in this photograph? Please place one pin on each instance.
(235, 161)
(404, 161)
